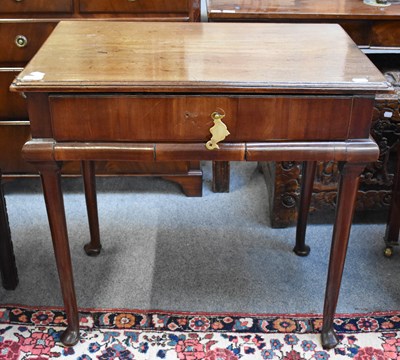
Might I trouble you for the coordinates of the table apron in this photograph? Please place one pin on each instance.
(358, 150)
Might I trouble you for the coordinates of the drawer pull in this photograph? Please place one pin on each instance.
(219, 131)
(18, 0)
(21, 41)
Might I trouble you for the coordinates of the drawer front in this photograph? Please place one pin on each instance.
(36, 6)
(12, 105)
(386, 33)
(188, 118)
(137, 6)
(21, 40)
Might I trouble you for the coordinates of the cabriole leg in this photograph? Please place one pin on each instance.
(348, 186)
(50, 175)
(307, 181)
(89, 179)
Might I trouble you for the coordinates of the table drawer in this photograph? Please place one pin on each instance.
(12, 105)
(21, 40)
(36, 6)
(137, 6)
(188, 118)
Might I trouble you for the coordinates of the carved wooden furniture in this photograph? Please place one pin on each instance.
(389, 130)
(374, 29)
(25, 25)
(8, 268)
(181, 76)
(393, 227)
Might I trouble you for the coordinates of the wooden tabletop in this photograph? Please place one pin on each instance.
(299, 9)
(198, 57)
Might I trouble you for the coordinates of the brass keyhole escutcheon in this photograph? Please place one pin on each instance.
(219, 131)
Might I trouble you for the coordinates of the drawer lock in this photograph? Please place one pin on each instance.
(219, 131)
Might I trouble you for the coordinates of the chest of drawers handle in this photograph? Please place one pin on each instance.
(21, 41)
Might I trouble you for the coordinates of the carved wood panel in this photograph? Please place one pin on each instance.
(283, 178)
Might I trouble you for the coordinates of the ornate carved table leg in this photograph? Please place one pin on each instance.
(393, 224)
(307, 181)
(348, 185)
(376, 183)
(283, 185)
(89, 179)
(50, 175)
(8, 268)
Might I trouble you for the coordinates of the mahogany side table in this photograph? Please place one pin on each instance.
(176, 91)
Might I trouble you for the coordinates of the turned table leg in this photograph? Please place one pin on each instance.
(51, 181)
(89, 179)
(348, 186)
(8, 268)
(307, 181)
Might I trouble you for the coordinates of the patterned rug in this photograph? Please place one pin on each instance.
(33, 333)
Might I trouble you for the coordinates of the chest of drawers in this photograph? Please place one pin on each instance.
(368, 26)
(25, 25)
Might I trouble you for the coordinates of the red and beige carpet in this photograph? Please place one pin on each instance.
(33, 333)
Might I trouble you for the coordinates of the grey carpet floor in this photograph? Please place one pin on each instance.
(218, 253)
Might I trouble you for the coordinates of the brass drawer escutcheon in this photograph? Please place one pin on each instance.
(219, 131)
